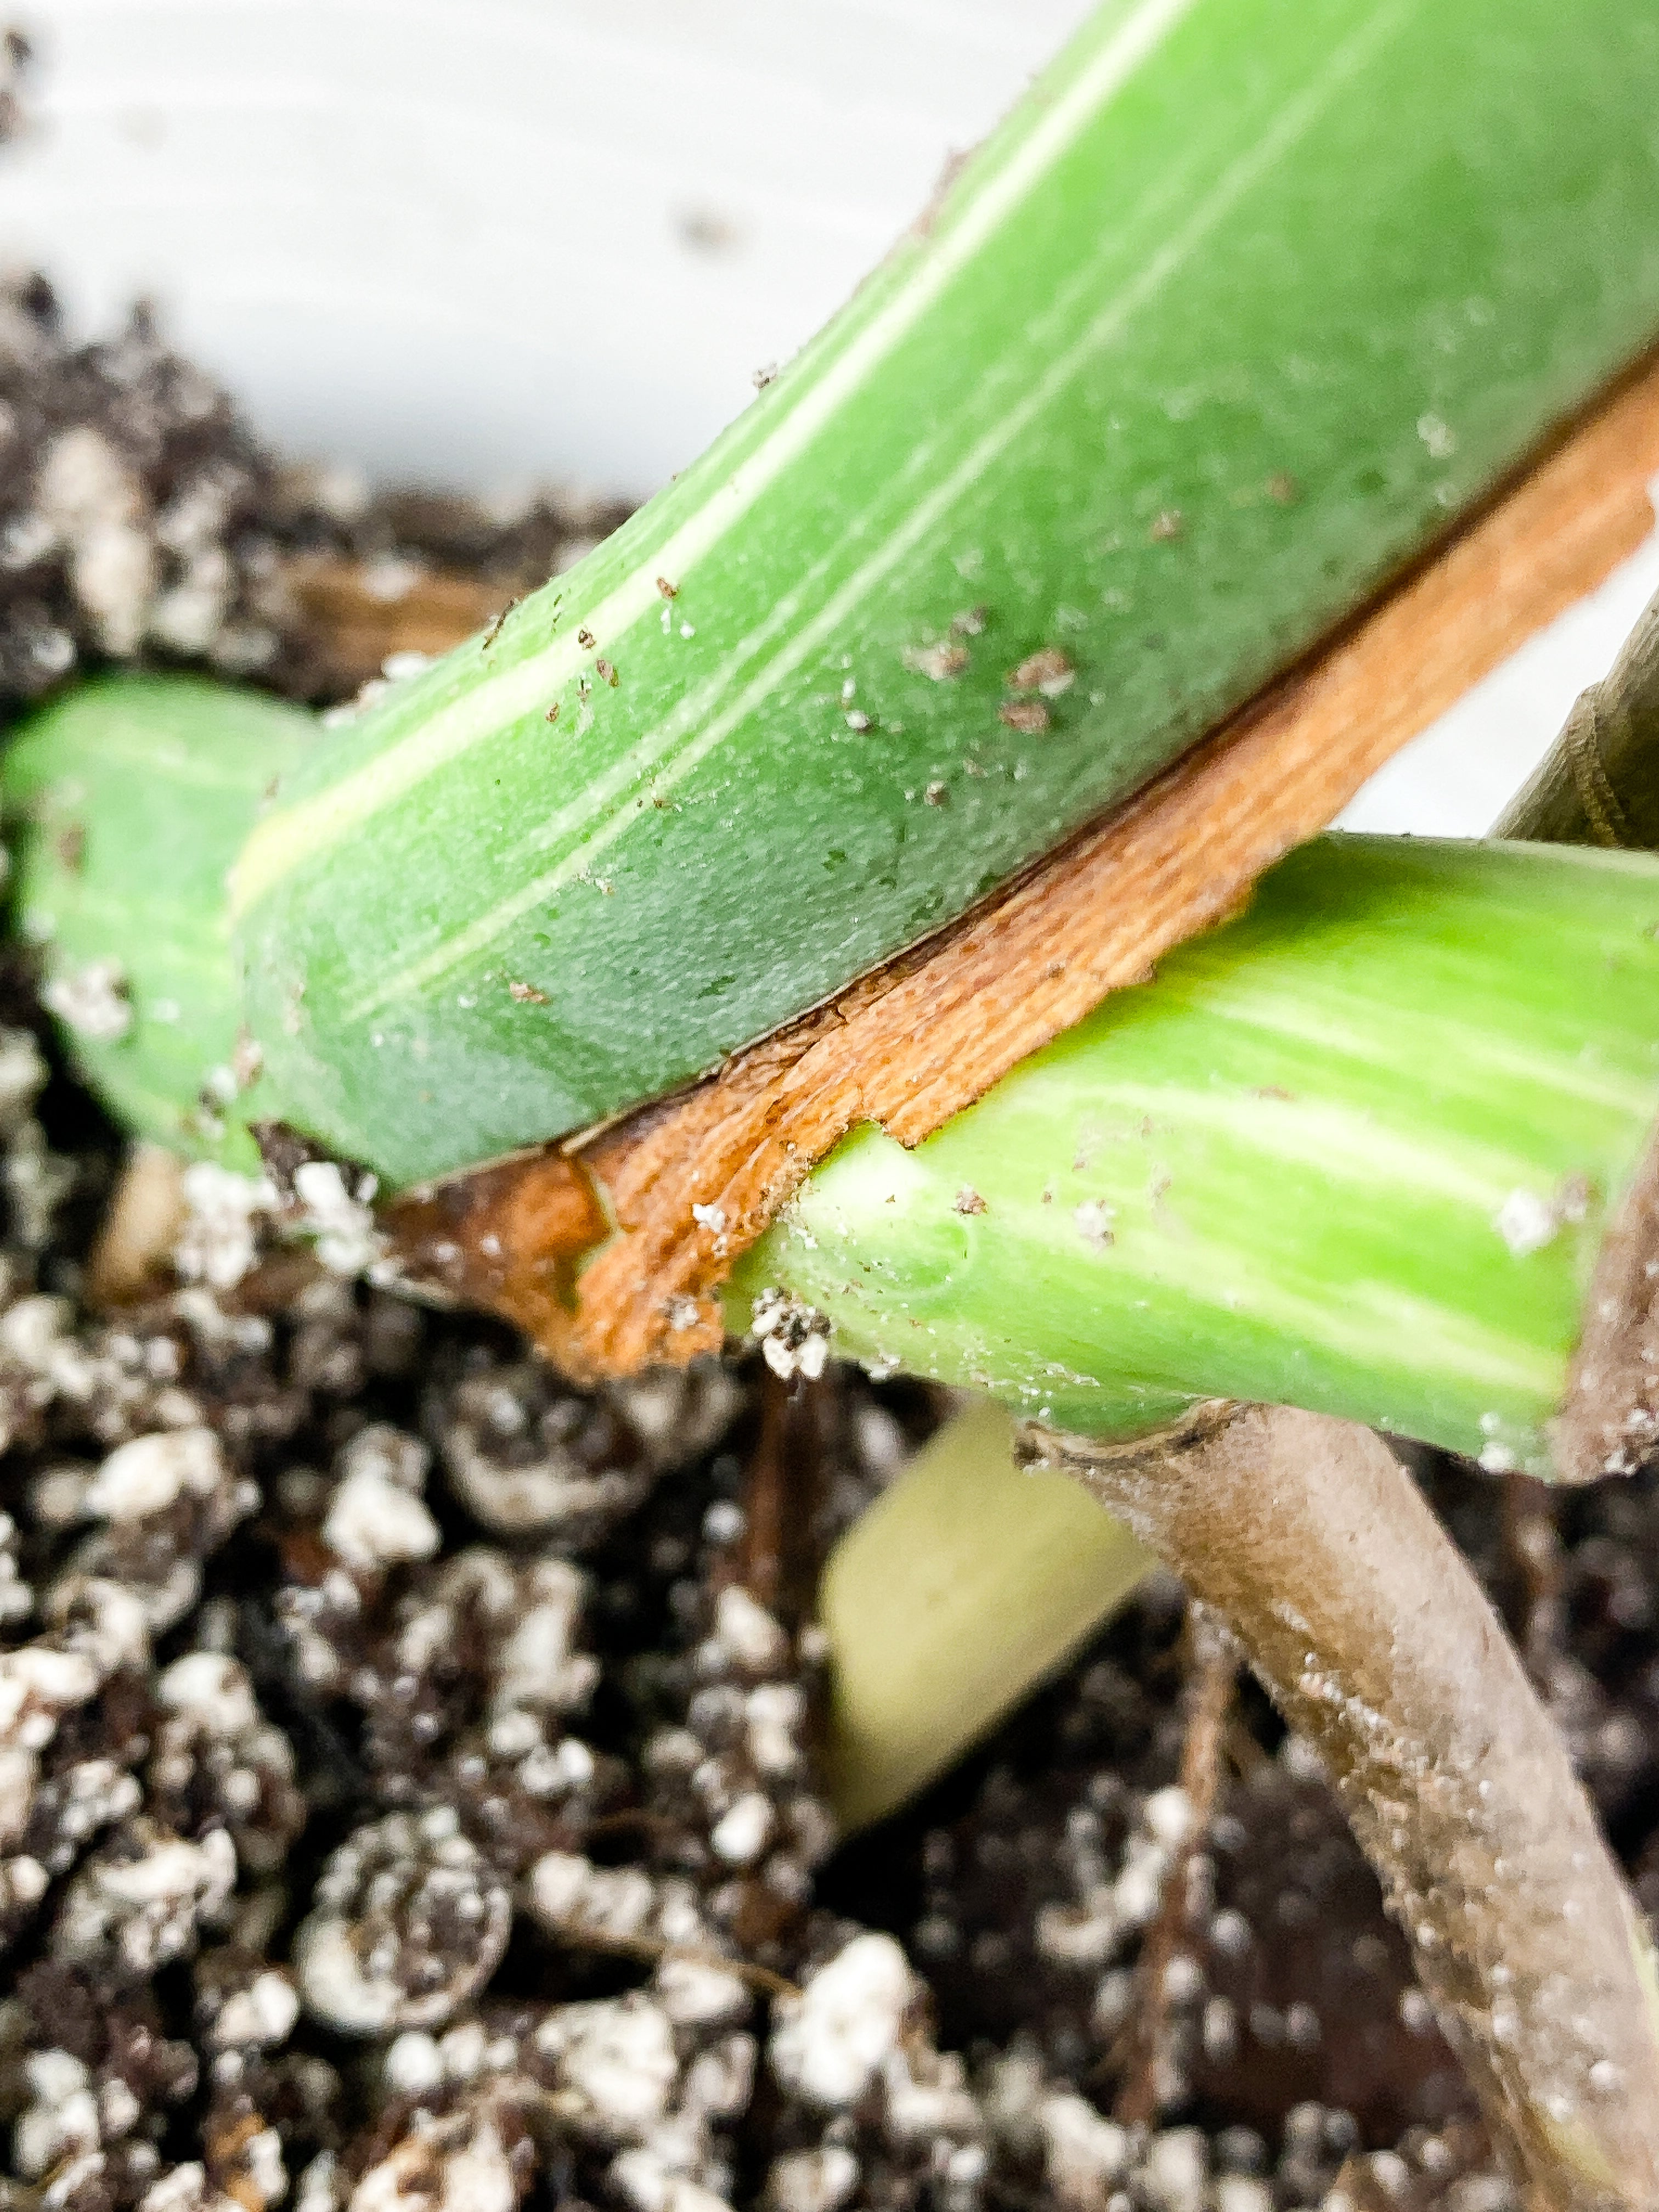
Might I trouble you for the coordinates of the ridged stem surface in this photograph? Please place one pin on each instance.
(1355, 1153)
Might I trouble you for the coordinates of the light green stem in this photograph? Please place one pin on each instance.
(962, 1586)
(1354, 1152)
(128, 800)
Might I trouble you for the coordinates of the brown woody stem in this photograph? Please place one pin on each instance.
(1370, 1632)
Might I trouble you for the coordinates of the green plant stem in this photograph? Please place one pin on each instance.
(887, 1746)
(1293, 1153)
(1354, 1152)
(130, 798)
(1240, 307)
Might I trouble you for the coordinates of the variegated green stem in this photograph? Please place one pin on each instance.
(888, 1742)
(1353, 1152)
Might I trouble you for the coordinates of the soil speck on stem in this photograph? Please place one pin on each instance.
(1029, 717)
(1048, 671)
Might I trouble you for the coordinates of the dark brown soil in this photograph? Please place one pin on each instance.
(406, 1762)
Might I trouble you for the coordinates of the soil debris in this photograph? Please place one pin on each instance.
(141, 518)
(1048, 670)
(939, 662)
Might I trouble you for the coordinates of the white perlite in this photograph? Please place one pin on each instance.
(1083, 2152)
(174, 1472)
(794, 1337)
(694, 1995)
(376, 1518)
(43, 1681)
(812, 2180)
(642, 2177)
(748, 1632)
(430, 2174)
(927, 2097)
(261, 2014)
(1175, 2170)
(1239, 2192)
(347, 1242)
(227, 1213)
(742, 1831)
(539, 1668)
(617, 2057)
(91, 1001)
(213, 1689)
(776, 1713)
(185, 2189)
(147, 1910)
(93, 500)
(1168, 1815)
(152, 1472)
(568, 1891)
(828, 2043)
(218, 1240)
(39, 1684)
(321, 2187)
(413, 2065)
(61, 2117)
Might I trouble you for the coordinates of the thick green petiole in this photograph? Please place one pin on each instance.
(1242, 304)
(1353, 1152)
